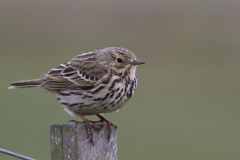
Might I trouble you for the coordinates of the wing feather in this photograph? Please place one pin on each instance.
(82, 71)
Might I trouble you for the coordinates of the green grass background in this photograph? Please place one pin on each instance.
(186, 106)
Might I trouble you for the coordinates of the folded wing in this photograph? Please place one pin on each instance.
(83, 71)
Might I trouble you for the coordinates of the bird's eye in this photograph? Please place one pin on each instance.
(119, 60)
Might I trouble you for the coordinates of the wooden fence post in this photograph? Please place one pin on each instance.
(70, 142)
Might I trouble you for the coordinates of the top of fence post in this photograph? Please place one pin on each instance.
(69, 141)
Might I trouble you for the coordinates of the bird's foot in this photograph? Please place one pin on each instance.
(89, 126)
(102, 119)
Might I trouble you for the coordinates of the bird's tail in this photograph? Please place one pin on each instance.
(27, 83)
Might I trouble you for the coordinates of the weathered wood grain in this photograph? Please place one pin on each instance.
(56, 141)
(70, 142)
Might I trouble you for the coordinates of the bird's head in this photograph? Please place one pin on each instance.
(118, 59)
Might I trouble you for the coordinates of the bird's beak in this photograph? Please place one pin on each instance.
(136, 62)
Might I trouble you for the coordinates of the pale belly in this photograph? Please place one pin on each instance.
(85, 103)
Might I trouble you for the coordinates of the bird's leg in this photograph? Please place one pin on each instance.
(102, 119)
(88, 125)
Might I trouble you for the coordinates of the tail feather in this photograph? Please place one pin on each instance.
(27, 83)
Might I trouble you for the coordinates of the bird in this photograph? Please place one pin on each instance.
(91, 83)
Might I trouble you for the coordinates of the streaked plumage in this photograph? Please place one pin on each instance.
(100, 81)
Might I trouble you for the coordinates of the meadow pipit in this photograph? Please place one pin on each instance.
(100, 81)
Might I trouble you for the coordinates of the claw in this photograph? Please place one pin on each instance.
(109, 137)
(99, 130)
(71, 121)
(92, 142)
(87, 136)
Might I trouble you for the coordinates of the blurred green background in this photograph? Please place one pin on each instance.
(186, 106)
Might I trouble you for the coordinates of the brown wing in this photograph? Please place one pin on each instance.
(82, 71)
